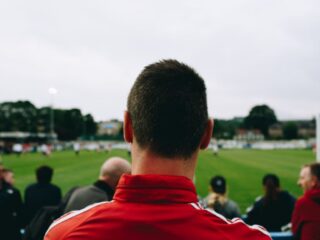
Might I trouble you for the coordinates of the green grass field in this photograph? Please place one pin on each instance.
(243, 169)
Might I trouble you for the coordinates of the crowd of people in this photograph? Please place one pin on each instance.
(274, 210)
(277, 210)
(167, 124)
(23, 219)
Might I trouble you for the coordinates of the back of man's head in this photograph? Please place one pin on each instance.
(218, 184)
(168, 109)
(44, 174)
(8, 176)
(271, 185)
(271, 179)
(112, 169)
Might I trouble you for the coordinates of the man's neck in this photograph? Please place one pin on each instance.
(146, 162)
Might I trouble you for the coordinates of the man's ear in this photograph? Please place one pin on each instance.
(206, 138)
(127, 127)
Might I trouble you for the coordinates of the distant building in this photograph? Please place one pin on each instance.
(248, 135)
(110, 128)
(276, 131)
(306, 129)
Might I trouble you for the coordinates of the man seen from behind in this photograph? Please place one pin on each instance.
(167, 124)
(102, 189)
(42, 193)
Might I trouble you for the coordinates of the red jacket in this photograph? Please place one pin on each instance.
(151, 207)
(306, 216)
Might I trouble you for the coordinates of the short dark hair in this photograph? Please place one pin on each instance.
(271, 184)
(271, 179)
(168, 108)
(44, 174)
(218, 184)
(314, 169)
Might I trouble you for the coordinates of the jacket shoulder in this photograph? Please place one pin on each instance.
(286, 196)
(90, 192)
(54, 187)
(301, 201)
(235, 226)
(31, 186)
(69, 221)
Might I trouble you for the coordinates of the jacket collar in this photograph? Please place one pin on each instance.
(155, 189)
(314, 195)
(104, 187)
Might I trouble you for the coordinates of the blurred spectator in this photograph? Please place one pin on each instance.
(10, 210)
(215, 148)
(218, 199)
(76, 148)
(306, 214)
(274, 209)
(109, 148)
(103, 189)
(8, 176)
(17, 148)
(26, 147)
(42, 193)
(45, 150)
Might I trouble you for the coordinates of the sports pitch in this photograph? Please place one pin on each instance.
(243, 169)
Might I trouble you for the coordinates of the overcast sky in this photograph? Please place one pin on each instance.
(248, 52)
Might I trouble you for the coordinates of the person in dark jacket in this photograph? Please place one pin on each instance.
(8, 176)
(274, 209)
(218, 199)
(42, 193)
(306, 215)
(103, 189)
(10, 210)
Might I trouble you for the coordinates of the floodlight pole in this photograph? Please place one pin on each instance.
(52, 92)
(51, 119)
(318, 137)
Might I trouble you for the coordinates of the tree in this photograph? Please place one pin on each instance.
(90, 126)
(18, 116)
(290, 130)
(226, 129)
(43, 119)
(69, 123)
(260, 117)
